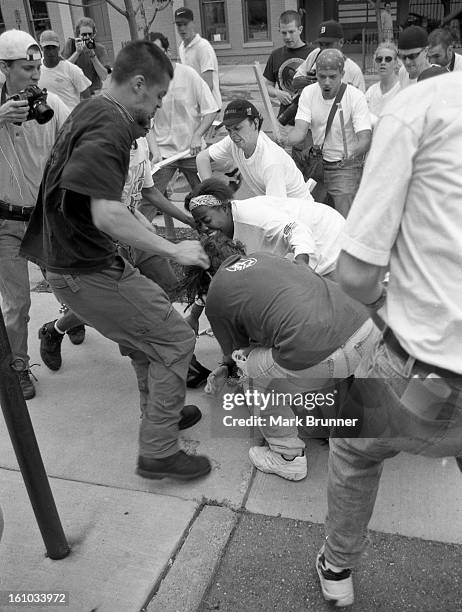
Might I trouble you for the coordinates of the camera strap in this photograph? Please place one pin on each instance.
(333, 110)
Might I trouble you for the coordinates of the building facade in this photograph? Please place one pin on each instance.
(241, 31)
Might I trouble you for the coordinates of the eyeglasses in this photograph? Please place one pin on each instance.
(379, 59)
(409, 56)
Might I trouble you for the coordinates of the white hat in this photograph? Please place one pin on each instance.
(15, 44)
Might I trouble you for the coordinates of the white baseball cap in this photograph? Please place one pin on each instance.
(16, 44)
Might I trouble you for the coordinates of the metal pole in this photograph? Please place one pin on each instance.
(27, 452)
(363, 49)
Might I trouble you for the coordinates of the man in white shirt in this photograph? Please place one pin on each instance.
(412, 51)
(350, 133)
(58, 75)
(197, 52)
(441, 50)
(188, 110)
(330, 37)
(410, 399)
(24, 149)
(265, 166)
(307, 230)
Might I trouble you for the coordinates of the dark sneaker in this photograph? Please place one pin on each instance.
(50, 345)
(27, 386)
(197, 374)
(180, 466)
(190, 415)
(76, 334)
(336, 583)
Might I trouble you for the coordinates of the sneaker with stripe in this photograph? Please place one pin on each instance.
(336, 582)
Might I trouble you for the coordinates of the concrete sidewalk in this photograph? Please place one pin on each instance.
(234, 540)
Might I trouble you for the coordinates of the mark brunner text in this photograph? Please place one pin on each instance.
(279, 421)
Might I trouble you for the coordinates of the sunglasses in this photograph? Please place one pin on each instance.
(379, 59)
(409, 56)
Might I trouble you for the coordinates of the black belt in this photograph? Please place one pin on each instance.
(392, 341)
(15, 213)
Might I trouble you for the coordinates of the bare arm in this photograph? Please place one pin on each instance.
(364, 142)
(100, 70)
(202, 128)
(155, 198)
(284, 97)
(113, 218)
(208, 78)
(204, 167)
(361, 280)
(298, 132)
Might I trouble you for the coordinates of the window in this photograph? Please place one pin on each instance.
(256, 20)
(39, 17)
(214, 25)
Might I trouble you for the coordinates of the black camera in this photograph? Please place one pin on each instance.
(37, 100)
(287, 116)
(90, 43)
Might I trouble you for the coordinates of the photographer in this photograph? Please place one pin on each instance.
(25, 144)
(87, 54)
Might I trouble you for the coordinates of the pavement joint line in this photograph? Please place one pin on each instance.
(240, 511)
(172, 557)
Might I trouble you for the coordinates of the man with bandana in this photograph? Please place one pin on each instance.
(350, 133)
(78, 216)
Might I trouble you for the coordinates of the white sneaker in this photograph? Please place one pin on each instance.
(336, 583)
(266, 460)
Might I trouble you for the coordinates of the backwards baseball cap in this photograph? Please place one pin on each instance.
(16, 44)
(183, 15)
(237, 111)
(412, 37)
(48, 38)
(330, 31)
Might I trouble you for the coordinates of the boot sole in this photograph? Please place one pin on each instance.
(160, 475)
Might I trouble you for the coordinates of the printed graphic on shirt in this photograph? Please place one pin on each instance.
(287, 71)
(288, 229)
(135, 178)
(242, 264)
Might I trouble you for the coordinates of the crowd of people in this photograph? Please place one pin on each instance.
(300, 294)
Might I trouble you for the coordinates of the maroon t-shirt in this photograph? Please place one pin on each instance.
(268, 300)
(89, 159)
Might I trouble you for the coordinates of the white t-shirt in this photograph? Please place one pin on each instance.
(24, 151)
(407, 214)
(66, 80)
(288, 225)
(353, 73)
(314, 109)
(268, 171)
(376, 100)
(187, 100)
(139, 174)
(457, 62)
(200, 55)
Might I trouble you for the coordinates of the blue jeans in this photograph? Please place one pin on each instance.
(265, 375)
(400, 414)
(14, 289)
(342, 181)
